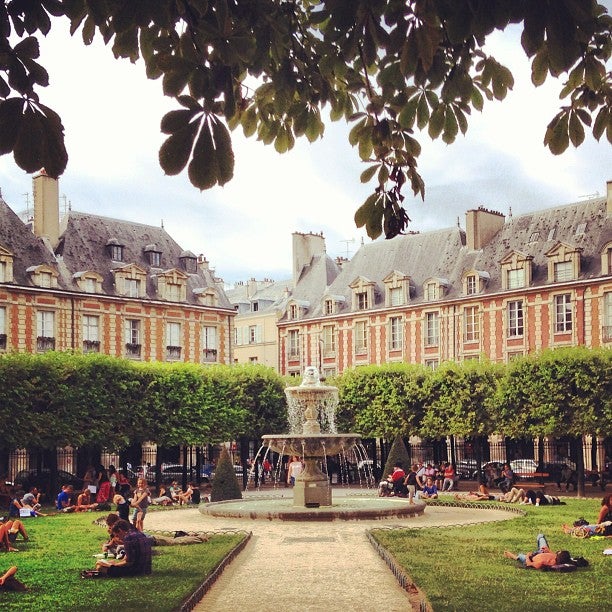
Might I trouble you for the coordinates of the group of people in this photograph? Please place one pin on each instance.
(421, 481)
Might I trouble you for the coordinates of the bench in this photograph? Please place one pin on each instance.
(534, 480)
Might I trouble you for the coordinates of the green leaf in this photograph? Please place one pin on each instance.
(556, 137)
(477, 99)
(539, 67)
(436, 122)
(451, 127)
(225, 153)
(204, 167)
(422, 112)
(602, 121)
(365, 211)
(175, 151)
(367, 174)
(407, 115)
(248, 120)
(576, 130)
(28, 48)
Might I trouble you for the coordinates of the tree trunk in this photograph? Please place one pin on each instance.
(578, 455)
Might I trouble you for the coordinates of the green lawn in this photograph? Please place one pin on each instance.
(463, 568)
(60, 546)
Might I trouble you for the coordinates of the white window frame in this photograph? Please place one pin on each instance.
(133, 342)
(132, 287)
(45, 330)
(3, 327)
(361, 300)
(328, 337)
(173, 292)
(210, 343)
(515, 319)
(432, 328)
(471, 324)
(607, 317)
(3, 269)
(515, 278)
(563, 313)
(293, 344)
(360, 334)
(91, 333)
(396, 333)
(563, 271)
(471, 284)
(396, 296)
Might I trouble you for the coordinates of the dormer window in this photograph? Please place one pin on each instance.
(131, 281)
(433, 289)
(189, 262)
(172, 285)
(474, 281)
(115, 249)
(153, 255)
(331, 303)
(254, 306)
(363, 293)
(206, 296)
(516, 270)
(132, 287)
(329, 307)
(515, 278)
(293, 312)
(397, 289)
(563, 263)
(6, 266)
(43, 276)
(88, 281)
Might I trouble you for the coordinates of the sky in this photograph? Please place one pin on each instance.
(111, 114)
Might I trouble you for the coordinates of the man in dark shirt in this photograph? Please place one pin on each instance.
(137, 559)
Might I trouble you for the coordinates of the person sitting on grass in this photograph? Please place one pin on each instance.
(137, 558)
(430, 491)
(543, 557)
(123, 506)
(9, 530)
(8, 582)
(164, 497)
(186, 495)
(84, 502)
(64, 499)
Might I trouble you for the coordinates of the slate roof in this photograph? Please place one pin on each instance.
(83, 247)
(28, 250)
(268, 295)
(443, 254)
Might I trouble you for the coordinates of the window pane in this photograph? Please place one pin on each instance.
(563, 313)
(515, 318)
(396, 333)
(516, 279)
(432, 329)
(563, 270)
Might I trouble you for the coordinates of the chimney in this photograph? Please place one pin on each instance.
(480, 226)
(202, 262)
(46, 207)
(305, 247)
(609, 198)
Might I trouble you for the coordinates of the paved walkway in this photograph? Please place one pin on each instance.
(310, 566)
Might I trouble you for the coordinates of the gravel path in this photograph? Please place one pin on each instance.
(310, 567)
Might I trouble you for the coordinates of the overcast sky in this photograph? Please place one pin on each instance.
(111, 115)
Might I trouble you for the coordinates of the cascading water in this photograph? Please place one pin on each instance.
(312, 436)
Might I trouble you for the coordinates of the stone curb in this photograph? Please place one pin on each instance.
(194, 599)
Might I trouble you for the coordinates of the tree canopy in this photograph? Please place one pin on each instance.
(390, 68)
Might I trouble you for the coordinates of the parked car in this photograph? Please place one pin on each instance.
(175, 472)
(524, 466)
(467, 469)
(32, 478)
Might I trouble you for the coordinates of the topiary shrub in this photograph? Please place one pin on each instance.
(225, 483)
(398, 453)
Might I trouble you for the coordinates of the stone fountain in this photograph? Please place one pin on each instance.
(311, 404)
(313, 437)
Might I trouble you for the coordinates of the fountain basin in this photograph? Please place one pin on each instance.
(342, 509)
(310, 445)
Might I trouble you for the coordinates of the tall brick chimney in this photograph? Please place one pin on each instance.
(46, 207)
(480, 226)
(305, 247)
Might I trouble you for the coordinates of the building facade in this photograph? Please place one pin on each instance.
(95, 284)
(501, 288)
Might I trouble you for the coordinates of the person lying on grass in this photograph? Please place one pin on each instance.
(481, 495)
(8, 582)
(9, 530)
(137, 558)
(586, 531)
(542, 557)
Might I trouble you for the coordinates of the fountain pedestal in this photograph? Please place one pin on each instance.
(311, 488)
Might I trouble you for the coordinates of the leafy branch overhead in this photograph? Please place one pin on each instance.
(393, 69)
